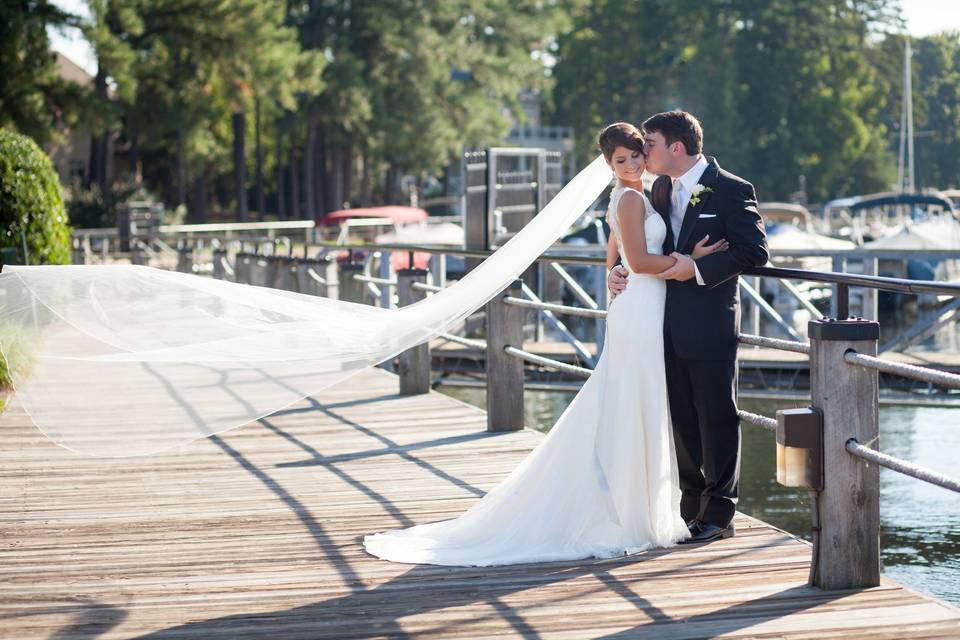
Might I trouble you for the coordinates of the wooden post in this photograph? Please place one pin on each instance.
(243, 266)
(137, 255)
(870, 296)
(219, 271)
(185, 257)
(504, 372)
(79, 253)
(414, 366)
(351, 289)
(849, 552)
(837, 289)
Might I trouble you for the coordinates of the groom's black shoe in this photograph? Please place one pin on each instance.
(706, 532)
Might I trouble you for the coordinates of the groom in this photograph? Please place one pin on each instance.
(697, 199)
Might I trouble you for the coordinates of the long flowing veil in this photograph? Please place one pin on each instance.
(120, 360)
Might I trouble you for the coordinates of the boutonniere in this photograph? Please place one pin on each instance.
(697, 191)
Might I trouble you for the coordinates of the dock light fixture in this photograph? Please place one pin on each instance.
(800, 448)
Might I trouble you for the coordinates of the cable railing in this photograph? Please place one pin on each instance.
(839, 352)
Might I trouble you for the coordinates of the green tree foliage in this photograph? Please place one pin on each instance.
(33, 100)
(936, 102)
(31, 206)
(783, 89)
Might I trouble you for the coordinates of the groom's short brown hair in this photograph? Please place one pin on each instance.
(677, 126)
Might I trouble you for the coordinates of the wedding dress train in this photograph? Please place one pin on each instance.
(603, 482)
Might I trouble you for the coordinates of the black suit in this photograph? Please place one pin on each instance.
(701, 323)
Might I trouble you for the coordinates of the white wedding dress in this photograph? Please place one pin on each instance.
(604, 481)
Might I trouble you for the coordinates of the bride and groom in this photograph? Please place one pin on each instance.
(648, 453)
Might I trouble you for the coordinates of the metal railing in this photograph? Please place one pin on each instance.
(844, 380)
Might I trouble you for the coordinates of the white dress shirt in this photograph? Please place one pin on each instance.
(682, 192)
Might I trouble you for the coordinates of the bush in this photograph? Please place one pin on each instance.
(92, 208)
(31, 204)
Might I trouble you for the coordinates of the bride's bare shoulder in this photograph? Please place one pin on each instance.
(632, 202)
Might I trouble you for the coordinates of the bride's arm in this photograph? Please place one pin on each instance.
(613, 253)
(632, 214)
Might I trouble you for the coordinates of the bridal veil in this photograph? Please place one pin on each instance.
(120, 360)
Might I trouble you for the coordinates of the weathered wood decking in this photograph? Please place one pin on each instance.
(256, 534)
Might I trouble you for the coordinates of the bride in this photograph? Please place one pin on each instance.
(604, 481)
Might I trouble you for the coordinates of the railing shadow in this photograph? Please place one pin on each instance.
(90, 620)
(378, 612)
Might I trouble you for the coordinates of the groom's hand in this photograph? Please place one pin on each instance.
(617, 280)
(681, 270)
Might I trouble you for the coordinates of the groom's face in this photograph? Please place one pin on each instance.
(658, 153)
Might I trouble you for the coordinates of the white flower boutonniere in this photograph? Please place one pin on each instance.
(697, 191)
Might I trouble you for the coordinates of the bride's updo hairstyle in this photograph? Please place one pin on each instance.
(620, 134)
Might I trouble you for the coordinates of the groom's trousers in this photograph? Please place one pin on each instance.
(706, 431)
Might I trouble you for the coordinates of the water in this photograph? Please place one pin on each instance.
(920, 523)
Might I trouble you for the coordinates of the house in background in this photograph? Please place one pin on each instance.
(71, 155)
(533, 134)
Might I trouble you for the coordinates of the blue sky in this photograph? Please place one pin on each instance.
(923, 18)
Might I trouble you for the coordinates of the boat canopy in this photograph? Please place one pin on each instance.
(395, 213)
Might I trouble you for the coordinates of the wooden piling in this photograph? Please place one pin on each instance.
(505, 378)
(849, 506)
(414, 367)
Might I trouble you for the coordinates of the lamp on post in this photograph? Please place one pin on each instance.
(800, 448)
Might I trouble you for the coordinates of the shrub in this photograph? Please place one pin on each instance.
(31, 204)
(92, 208)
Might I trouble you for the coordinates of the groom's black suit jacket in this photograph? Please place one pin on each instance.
(702, 320)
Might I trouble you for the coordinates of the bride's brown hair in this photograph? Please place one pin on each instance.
(619, 134)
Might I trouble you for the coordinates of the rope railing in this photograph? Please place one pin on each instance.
(316, 277)
(903, 369)
(757, 419)
(548, 362)
(775, 343)
(423, 286)
(905, 467)
(373, 280)
(467, 342)
(555, 308)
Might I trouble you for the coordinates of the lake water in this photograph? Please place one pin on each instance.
(920, 523)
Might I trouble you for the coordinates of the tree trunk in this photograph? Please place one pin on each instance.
(309, 159)
(133, 159)
(181, 180)
(294, 182)
(240, 164)
(98, 142)
(261, 196)
(391, 189)
(281, 199)
(364, 179)
(198, 205)
(335, 201)
(322, 190)
(346, 173)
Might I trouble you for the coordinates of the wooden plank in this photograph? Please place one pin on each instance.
(257, 533)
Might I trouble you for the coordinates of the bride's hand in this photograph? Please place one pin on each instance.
(703, 249)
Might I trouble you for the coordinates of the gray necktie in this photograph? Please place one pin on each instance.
(676, 213)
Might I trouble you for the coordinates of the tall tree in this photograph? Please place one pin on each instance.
(33, 98)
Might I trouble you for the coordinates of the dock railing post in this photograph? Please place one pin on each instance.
(185, 257)
(351, 289)
(219, 255)
(848, 556)
(414, 367)
(504, 372)
(137, 255)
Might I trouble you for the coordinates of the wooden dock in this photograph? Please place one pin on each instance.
(257, 534)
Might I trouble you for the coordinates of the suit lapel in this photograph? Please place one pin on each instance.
(708, 179)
